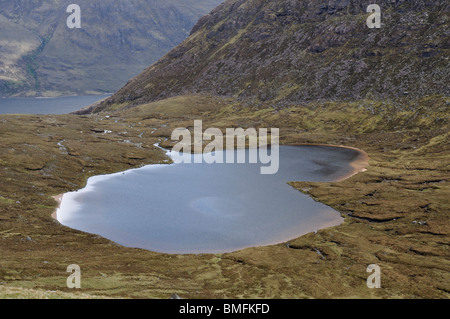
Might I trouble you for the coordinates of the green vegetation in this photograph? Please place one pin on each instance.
(31, 63)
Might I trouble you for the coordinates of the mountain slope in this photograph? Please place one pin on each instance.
(39, 54)
(283, 52)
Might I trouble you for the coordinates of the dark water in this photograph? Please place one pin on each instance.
(57, 105)
(208, 208)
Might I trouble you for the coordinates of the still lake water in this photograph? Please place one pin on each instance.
(57, 105)
(208, 208)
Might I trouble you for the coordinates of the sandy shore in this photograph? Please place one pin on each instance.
(58, 199)
(359, 164)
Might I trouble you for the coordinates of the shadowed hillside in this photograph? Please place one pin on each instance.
(284, 52)
(40, 55)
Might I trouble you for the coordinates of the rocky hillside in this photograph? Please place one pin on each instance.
(286, 51)
(40, 55)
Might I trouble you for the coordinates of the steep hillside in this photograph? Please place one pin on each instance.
(284, 52)
(40, 55)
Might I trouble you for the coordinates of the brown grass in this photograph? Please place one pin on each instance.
(396, 213)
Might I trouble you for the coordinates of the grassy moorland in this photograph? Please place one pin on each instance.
(396, 213)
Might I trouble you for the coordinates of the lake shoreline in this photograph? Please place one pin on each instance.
(358, 164)
(58, 198)
(376, 229)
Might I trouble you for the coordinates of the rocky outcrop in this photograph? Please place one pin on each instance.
(285, 52)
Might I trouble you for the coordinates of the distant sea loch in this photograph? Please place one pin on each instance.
(57, 105)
